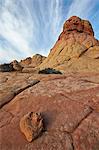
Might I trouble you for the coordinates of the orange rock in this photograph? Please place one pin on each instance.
(29, 64)
(31, 125)
(74, 49)
(77, 24)
(16, 65)
(26, 61)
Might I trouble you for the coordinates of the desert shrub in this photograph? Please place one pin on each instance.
(49, 71)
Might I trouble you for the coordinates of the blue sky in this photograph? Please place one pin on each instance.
(28, 27)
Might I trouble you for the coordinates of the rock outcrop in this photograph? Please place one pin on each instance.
(79, 25)
(26, 61)
(16, 65)
(37, 60)
(6, 67)
(27, 65)
(13, 66)
(31, 125)
(74, 49)
(30, 64)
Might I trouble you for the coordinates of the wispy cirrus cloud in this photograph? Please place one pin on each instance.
(28, 26)
(81, 8)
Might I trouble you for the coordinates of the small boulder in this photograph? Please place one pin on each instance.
(31, 125)
(16, 66)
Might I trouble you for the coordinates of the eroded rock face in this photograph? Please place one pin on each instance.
(77, 24)
(30, 64)
(74, 49)
(31, 125)
(25, 62)
(37, 59)
(16, 66)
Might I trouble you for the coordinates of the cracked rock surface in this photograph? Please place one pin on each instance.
(69, 105)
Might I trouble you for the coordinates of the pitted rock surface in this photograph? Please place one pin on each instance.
(31, 125)
(75, 23)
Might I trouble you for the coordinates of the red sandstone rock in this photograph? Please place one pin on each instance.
(86, 136)
(75, 23)
(64, 103)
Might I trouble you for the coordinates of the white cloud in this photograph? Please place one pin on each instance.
(15, 30)
(30, 26)
(81, 8)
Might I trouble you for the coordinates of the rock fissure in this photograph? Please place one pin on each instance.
(9, 119)
(72, 143)
(16, 93)
(72, 99)
(86, 116)
(85, 80)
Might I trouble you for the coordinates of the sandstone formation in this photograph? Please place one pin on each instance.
(26, 61)
(76, 50)
(30, 64)
(36, 60)
(16, 65)
(31, 125)
(27, 65)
